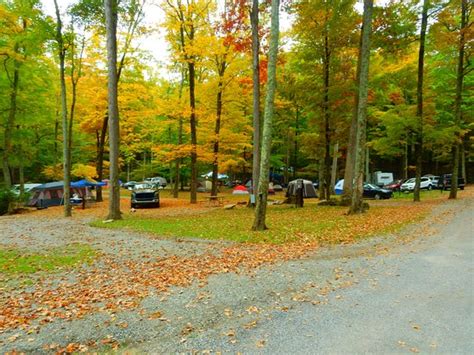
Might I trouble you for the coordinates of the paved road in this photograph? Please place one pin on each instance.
(416, 298)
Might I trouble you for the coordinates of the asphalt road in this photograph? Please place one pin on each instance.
(418, 297)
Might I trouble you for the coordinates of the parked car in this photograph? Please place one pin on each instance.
(145, 194)
(409, 185)
(434, 180)
(129, 185)
(27, 188)
(373, 191)
(444, 182)
(158, 180)
(394, 185)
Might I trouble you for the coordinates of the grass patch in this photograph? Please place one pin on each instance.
(326, 225)
(16, 263)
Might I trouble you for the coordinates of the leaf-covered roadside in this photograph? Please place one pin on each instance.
(117, 283)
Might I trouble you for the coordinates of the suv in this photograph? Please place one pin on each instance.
(145, 194)
(409, 185)
(444, 182)
(158, 181)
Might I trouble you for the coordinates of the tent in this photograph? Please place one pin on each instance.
(339, 187)
(240, 190)
(50, 194)
(308, 189)
(86, 183)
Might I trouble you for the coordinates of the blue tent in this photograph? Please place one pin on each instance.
(86, 183)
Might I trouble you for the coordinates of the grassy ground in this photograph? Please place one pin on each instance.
(286, 223)
(17, 265)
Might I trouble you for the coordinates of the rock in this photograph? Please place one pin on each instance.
(229, 207)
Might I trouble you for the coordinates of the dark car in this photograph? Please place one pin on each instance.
(372, 191)
(145, 194)
(444, 182)
(394, 185)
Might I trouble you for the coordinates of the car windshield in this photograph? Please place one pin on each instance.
(143, 186)
(410, 181)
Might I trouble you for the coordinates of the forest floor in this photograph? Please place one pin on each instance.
(67, 286)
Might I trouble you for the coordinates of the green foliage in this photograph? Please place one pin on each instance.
(16, 262)
(7, 197)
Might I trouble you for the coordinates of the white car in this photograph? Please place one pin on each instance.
(409, 185)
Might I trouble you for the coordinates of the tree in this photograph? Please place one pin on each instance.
(458, 99)
(419, 101)
(256, 95)
(64, 114)
(114, 126)
(261, 208)
(361, 107)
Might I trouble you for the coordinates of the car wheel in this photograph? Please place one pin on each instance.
(429, 187)
(462, 187)
(377, 196)
(132, 205)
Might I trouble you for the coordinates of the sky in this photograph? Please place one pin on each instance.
(155, 42)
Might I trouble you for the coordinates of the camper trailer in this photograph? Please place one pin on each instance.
(380, 178)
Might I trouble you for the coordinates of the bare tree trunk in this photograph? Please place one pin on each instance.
(463, 163)
(334, 167)
(362, 92)
(367, 164)
(458, 100)
(405, 162)
(256, 96)
(261, 209)
(215, 165)
(177, 167)
(7, 147)
(192, 122)
(100, 156)
(114, 124)
(66, 137)
(327, 133)
(351, 146)
(419, 102)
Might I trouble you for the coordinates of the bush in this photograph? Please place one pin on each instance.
(7, 196)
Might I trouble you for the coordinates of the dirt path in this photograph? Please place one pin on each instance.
(398, 288)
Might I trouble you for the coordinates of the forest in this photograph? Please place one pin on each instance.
(234, 84)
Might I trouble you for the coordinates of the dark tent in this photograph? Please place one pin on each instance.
(308, 189)
(51, 194)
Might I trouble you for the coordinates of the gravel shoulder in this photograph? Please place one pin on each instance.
(407, 292)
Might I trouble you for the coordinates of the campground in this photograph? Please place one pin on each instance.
(165, 279)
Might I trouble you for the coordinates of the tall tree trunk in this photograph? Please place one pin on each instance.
(192, 122)
(458, 100)
(362, 92)
(100, 156)
(405, 162)
(7, 146)
(351, 146)
(261, 209)
(367, 164)
(334, 167)
(66, 146)
(463, 162)
(256, 96)
(114, 125)
(327, 133)
(215, 165)
(177, 166)
(419, 102)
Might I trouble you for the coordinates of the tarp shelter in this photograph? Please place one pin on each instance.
(240, 190)
(308, 189)
(339, 187)
(86, 183)
(50, 194)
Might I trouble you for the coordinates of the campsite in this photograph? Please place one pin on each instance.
(236, 176)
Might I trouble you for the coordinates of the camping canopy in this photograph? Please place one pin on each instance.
(308, 189)
(86, 183)
(219, 176)
(240, 190)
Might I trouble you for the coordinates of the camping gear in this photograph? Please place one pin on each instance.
(308, 189)
(50, 194)
(240, 190)
(339, 187)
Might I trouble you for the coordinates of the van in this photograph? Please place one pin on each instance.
(444, 182)
(158, 180)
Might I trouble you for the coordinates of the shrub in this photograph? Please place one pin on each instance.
(7, 196)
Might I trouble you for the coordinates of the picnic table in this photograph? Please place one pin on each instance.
(215, 200)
